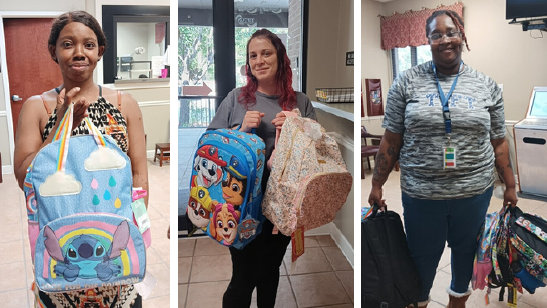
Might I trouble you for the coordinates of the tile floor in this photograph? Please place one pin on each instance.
(15, 263)
(438, 294)
(322, 277)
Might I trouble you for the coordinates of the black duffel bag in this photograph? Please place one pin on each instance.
(389, 278)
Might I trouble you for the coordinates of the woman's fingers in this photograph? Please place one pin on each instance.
(80, 111)
(65, 98)
(251, 120)
(279, 119)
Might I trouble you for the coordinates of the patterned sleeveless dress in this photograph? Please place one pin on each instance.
(109, 120)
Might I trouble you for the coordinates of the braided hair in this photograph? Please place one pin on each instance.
(456, 19)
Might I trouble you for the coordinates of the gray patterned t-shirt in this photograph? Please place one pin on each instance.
(414, 109)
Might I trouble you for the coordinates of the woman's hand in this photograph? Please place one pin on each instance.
(251, 120)
(64, 100)
(510, 197)
(375, 197)
(279, 120)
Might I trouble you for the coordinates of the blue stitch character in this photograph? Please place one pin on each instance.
(86, 257)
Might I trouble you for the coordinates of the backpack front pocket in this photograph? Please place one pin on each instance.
(86, 251)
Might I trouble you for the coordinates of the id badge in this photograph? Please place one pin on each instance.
(449, 157)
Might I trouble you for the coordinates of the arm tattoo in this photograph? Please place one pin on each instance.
(381, 171)
(391, 151)
(500, 169)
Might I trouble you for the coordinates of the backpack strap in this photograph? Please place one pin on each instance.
(120, 101)
(45, 105)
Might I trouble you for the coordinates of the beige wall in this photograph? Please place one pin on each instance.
(154, 103)
(45, 5)
(330, 36)
(502, 51)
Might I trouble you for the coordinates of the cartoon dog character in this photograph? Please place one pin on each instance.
(199, 206)
(224, 222)
(208, 165)
(235, 184)
(86, 257)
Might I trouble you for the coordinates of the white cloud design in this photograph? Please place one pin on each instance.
(104, 159)
(60, 184)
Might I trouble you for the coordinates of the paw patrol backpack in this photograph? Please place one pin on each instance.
(81, 225)
(225, 189)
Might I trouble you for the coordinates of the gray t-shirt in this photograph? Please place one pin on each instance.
(414, 109)
(231, 113)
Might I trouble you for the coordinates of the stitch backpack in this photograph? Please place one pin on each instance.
(309, 182)
(225, 187)
(82, 230)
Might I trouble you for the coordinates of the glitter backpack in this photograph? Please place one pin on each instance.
(82, 229)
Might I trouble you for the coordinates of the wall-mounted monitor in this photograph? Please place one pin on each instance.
(525, 8)
(538, 103)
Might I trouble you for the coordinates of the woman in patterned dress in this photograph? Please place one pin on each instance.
(77, 44)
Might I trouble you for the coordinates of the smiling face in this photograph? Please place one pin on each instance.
(263, 60)
(77, 51)
(233, 190)
(225, 225)
(447, 52)
(198, 214)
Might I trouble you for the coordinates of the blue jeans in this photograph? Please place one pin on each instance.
(429, 224)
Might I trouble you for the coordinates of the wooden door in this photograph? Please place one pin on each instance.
(31, 70)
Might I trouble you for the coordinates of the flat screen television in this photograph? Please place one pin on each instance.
(525, 8)
(538, 103)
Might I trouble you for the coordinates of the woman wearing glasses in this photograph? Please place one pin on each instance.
(445, 124)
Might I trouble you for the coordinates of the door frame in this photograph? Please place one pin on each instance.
(4, 15)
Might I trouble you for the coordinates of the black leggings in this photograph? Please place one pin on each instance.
(256, 265)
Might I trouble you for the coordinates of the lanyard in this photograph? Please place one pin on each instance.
(444, 100)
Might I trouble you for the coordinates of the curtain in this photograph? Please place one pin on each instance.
(408, 29)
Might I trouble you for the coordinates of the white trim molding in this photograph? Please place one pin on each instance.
(153, 103)
(7, 169)
(338, 237)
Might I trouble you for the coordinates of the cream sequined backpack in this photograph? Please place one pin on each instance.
(309, 182)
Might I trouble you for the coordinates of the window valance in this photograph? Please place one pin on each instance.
(408, 29)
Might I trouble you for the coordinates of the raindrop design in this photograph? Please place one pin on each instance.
(96, 200)
(112, 182)
(107, 195)
(118, 203)
(94, 184)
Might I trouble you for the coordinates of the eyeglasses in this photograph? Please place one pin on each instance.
(439, 37)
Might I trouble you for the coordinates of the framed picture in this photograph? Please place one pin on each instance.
(373, 93)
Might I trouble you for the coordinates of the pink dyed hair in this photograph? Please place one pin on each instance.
(287, 96)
